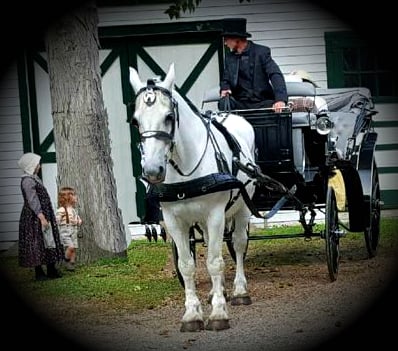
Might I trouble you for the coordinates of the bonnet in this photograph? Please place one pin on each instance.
(305, 76)
(28, 162)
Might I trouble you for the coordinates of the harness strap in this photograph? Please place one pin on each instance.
(232, 143)
(211, 183)
(67, 215)
(196, 187)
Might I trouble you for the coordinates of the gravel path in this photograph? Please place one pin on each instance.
(295, 307)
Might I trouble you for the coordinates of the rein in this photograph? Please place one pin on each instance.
(175, 165)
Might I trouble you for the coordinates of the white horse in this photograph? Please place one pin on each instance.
(179, 147)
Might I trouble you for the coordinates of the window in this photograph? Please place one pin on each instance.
(352, 62)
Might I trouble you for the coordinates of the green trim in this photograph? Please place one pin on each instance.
(385, 99)
(33, 103)
(109, 60)
(40, 61)
(24, 103)
(150, 62)
(126, 61)
(49, 157)
(384, 124)
(390, 199)
(334, 60)
(195, 29)
(37, 146)
(386, 147)
(336, 43)
(47, 142)
(387, 170)
(200, 66)
(104, 3)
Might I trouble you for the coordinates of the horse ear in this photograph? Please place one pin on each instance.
(168, 82)
(135, 80)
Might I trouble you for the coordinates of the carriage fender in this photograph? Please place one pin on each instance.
(366, 162)
(354, 198)
(336, 181)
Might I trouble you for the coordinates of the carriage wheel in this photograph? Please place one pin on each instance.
(175, 253)
(332, 234)
(372, 230)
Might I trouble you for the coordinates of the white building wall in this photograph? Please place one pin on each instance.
(293, 29)
(387, 135)
(11, 149)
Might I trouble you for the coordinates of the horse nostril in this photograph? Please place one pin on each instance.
(161, 170)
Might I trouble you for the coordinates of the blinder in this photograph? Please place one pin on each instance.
(149, 98)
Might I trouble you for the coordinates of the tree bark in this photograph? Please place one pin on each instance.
(81, 131)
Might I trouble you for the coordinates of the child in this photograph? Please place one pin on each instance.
(68, 222)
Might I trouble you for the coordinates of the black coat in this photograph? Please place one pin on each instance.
(267, 82)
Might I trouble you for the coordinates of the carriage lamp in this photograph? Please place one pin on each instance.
(324, 125)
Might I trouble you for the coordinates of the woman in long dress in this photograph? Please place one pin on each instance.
(37, 217)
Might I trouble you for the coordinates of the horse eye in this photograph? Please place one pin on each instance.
(134, 122)
(170, 117)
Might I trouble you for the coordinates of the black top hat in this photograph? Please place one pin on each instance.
(235, 27)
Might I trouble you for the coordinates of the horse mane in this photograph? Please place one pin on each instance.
(186, 102)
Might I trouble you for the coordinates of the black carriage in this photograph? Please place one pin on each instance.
(326, 158)
(313, 159)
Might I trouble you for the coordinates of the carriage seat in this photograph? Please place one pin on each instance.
(303, 89)
(302, 97)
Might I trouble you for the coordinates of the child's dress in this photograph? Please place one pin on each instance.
(68, 223)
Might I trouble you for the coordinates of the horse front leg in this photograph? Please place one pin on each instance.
(218, 319)
(192, 320)
(240, 295)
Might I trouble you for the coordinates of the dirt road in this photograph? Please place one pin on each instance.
(295, 307)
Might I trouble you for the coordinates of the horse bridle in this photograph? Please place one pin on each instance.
(149, 99)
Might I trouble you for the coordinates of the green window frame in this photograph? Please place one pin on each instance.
(352, 61)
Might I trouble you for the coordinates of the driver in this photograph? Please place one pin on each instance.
(251, 77)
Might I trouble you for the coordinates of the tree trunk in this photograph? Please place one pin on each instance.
(81, 131)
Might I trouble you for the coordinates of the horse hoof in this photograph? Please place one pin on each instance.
(241, 300)
(217, 324)
(193, 326)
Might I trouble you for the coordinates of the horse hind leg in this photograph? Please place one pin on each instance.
(240, 295)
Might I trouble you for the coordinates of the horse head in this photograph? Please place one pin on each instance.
(156, 116)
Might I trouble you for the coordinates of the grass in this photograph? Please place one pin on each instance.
(302, 251)
(140, 281)
(146, 279)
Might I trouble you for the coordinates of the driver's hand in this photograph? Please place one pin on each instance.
(225, 93)
(278, 106)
